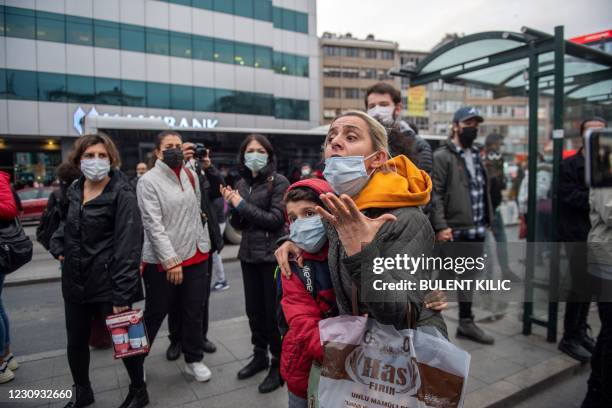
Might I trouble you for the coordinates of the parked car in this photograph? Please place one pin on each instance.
(34, 202)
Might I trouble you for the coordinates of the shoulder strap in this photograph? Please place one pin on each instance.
(191, 179)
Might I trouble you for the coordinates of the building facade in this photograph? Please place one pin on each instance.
(350, 66)
(193, 63)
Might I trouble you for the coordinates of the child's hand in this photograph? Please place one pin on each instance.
(436, 300)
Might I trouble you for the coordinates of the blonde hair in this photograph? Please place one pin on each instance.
(377, 132)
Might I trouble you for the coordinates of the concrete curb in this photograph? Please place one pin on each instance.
(516, 388)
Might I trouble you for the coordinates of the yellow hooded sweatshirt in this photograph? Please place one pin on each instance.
(403, 184)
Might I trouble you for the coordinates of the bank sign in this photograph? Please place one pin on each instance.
(181, 122)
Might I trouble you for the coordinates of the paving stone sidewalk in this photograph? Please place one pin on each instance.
(516, 365)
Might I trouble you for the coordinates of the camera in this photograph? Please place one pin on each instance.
(200, 151)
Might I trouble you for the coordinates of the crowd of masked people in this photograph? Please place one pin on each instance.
(382, 192)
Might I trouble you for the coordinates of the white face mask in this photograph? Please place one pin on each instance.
(383, 114)
(95, 169)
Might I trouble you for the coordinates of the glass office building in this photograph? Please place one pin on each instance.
(202, 63)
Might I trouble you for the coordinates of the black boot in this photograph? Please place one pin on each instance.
(174, 351)
(587, 341)
(82, 396)
(208, 346)
(258, 363)
(136, 398)
(273, 379)
(468, 329)
(574, 349)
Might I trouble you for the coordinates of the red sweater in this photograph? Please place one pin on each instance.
(199, 256)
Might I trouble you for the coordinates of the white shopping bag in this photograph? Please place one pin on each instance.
(370, 365)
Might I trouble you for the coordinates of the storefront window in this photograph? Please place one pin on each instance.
(106, 34)
(50, 27)
(79, 30)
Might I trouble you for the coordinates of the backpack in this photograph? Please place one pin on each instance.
(50, 221)
(15, 246)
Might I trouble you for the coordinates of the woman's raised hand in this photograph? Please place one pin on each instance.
(354, 228)
(230, 195)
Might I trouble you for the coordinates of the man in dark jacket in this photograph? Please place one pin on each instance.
(216, 245)
(384, 103)
(462, 205)
(574, 211)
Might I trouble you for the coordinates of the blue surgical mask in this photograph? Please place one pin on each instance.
(347, 175)
(308, 234)
(95, 169)
(255, 161)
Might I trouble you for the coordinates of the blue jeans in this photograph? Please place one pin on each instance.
(4, 322)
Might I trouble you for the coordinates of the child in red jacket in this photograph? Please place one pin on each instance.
(308, 296)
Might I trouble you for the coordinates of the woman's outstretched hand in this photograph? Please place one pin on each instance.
(354, 229)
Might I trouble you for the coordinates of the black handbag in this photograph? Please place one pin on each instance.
(15, 246)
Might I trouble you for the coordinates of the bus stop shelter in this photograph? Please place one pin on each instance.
(576, 79)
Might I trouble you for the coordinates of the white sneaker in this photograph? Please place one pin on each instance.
(6, 374)
(11, 362)
(199, 371)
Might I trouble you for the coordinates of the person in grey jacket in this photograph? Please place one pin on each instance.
(176, 248)
(377, 215)
(599, 393)
(462, 209)
(257, 211)
(384, 103)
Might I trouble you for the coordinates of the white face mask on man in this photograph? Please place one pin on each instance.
(383, 114)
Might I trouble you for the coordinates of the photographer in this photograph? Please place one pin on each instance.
(197, 158)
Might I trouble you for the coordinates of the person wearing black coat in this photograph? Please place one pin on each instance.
(99, 243)
(258, 212)
(574, 211)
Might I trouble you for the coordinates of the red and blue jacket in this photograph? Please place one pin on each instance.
(305, 299)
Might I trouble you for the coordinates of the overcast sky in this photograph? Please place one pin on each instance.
(419, 25)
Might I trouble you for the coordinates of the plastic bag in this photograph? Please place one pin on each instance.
(370, 365)
(128, 333)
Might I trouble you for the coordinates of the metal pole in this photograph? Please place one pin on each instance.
(531, 201)
(558, 102)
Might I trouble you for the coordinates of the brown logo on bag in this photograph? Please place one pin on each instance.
(363, 365)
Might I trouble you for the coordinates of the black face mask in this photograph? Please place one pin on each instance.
(467, 136)
(173, 158)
